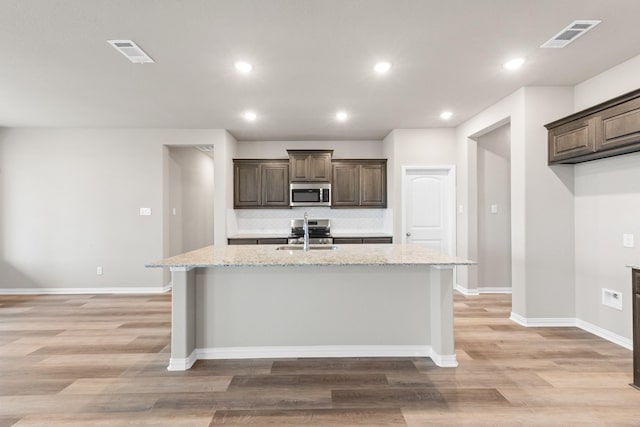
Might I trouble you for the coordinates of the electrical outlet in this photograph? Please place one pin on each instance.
(612, 298)
(627, 240)
(99, 270)
(145, 211)
(494, 209)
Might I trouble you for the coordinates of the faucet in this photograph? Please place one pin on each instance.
(305, 227)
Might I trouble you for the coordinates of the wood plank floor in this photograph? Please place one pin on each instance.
(101, 360)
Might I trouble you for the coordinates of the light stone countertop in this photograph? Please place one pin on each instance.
(267, 255)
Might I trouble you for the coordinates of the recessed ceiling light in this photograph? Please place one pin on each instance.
(243, 67)
(382, 67)
(446, 115)
(342, 116)
(250, 116)
(514, 64)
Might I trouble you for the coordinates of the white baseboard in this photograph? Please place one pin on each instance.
(444, 360)
(315, 351)
(543, 322)
(573, 322)
(607, 335)
(465, 291)
(279, 352)
(176, 364)
(483, 290)
(79, 291)
(494, 290)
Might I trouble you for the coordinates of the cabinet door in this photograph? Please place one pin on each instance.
(373, 185)
(275, 184)
(310, 167)
(345, 187)
(298, 166)
(620, 126)
(573, 139)
(247, 189)
(319, 167)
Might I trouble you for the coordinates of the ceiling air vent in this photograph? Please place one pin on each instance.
(570, 33)
(132, 51)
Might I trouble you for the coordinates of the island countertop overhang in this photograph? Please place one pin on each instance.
(367, 254)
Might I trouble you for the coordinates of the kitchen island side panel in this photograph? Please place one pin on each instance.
(313, 306)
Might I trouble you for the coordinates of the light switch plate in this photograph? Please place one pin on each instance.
(627, 240)
(145, 211)
(494, 209)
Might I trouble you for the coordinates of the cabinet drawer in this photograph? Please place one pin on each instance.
(346, 240)
(273, 241)
(242, 241)
(377, 240)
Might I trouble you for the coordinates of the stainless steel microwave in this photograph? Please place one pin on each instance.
(310, 194)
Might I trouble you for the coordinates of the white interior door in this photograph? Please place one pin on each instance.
(429, 207)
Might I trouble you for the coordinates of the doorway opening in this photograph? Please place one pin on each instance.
(493, 196)
(189, 206)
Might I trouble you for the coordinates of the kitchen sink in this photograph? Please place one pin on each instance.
(311, 248)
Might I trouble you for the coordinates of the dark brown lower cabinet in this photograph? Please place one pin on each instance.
(636, 327)
(262, 241)
(361, 240)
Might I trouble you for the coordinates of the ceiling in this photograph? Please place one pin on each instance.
(311, 58)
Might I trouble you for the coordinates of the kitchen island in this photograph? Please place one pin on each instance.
(233, 302)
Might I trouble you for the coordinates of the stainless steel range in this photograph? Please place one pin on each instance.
(319, 232)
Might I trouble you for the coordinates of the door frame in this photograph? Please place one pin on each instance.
(451, 172)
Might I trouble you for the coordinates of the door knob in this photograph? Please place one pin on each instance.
(408, 234)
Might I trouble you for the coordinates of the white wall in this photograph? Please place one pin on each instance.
(607, 202)
(278, 149)
(613, 82)
(494, 189)
(541, 203)
(70, 203)
(191, 199)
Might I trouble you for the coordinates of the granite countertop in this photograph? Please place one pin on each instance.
(267, 255)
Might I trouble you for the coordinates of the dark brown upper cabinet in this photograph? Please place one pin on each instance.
(359, 184)
(607, 129)
(260, 184)
(310, 165)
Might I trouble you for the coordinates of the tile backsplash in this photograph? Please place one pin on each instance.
(277, 221)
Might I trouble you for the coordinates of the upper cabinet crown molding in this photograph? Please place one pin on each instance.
(608, 129)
